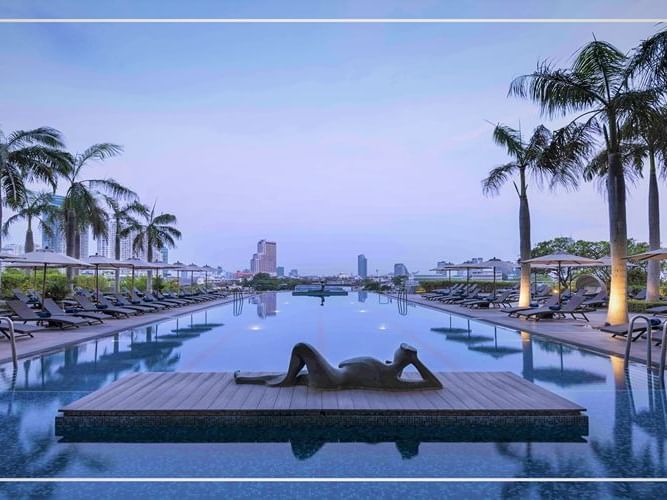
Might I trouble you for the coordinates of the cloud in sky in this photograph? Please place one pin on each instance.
(333, 140)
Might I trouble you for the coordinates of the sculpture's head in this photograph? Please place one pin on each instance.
(405, 355)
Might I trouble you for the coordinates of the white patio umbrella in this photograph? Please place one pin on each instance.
(493, 264)
(101, 261)
(562, 259)
(47, 258)
(659, 254)
(137, 263)
(192, 269)
(467, 266)
(207, 269)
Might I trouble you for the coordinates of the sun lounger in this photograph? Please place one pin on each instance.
(499, 300)
(599, 300)
(20, 330)
(25, 314)
(88, 306)
(121, 301)
(639, 328)
(148, 300)
(552, 300)
(572, 307)
(55, 310)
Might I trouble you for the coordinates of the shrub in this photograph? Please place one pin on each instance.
(639, 306)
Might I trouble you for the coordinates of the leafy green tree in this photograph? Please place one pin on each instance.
(27, 156)
(34, 207)
(598, 88)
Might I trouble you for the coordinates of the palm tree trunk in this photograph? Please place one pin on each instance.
(70, 242)
(29, 240)
(149, 274)
(524, 242)
(618, 236)
(116, 251)
(653, 270)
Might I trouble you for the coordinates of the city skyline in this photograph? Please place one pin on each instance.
(395, 119)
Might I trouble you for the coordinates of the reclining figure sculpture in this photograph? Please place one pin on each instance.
(355, 373)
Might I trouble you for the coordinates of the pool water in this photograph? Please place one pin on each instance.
(627, 411)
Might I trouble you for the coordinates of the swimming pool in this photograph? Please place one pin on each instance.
(628, 413)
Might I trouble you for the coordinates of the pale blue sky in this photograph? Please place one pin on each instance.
(333, 140)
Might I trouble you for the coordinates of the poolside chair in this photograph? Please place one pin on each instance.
(88, 306)
(599, 300)
(20, 330)
(572, 307)
(500, 300)
(54, 309)
(23, 297)
(552, 300)
(149, 299)
(174, 301)
(472, 293)
(638, 328)
(123, 303)
(639, 295)
(25, 313)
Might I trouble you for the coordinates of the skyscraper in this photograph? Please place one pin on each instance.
(400, 270)
(362, 266)
(55, 241)
(264, 261)
(280, 271)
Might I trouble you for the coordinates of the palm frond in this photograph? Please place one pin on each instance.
(98, 152)
(557, 92)
(509, 138)
(497, 178)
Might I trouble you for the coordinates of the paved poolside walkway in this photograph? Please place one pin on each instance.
(54, 339)
(574, 332)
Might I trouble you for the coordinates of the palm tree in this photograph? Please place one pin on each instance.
(27, 156)
(83, 204)
(123, 216)
(157, 231)
(644, 138)
(544, 158)
(598, 87)
(35, 206)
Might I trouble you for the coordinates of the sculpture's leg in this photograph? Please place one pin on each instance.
(320, 373)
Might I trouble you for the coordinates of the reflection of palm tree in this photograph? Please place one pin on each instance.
(618, 456)
(532, 466)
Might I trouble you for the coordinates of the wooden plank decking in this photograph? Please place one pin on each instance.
(202, 400)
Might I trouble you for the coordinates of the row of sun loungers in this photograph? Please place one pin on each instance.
(32, 313)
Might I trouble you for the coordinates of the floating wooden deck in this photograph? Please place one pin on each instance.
(204, 400)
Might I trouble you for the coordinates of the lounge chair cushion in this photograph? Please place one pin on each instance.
(655, 322)
(554, 308)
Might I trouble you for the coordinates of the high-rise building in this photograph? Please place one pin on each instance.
(56, 240)
(400, 270)
(280, 271)
(264, 261)
(83, 243)
(362, 266)
(294, 273)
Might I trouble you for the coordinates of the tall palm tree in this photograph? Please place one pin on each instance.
(157, 231)
(123, 216)
(27, 156)
(644, 136)
(83, 206)
(35, 207)
(598, 88)
(542, 158)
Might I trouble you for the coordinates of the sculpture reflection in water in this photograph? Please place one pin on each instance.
(355, 373)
